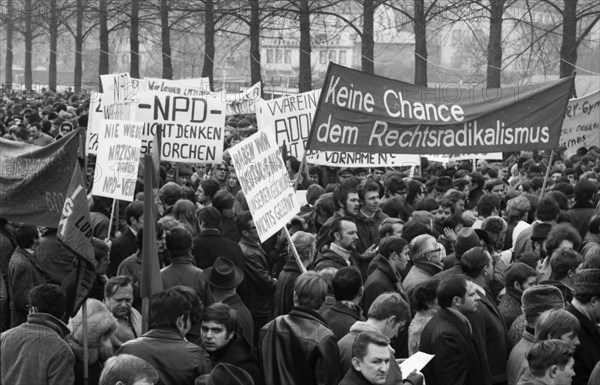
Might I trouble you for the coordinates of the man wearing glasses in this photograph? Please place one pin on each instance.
(427, 259)
(220, 171)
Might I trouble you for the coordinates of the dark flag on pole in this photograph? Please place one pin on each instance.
(75, 232)
(151, 280)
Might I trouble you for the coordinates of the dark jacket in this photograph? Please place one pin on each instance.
(340, 317)
(244, 316)
(211, 244)
(587, 354)
(353, 377)
(323, 234)
(581, 213)
(284, 294)
(299, 349)
(182, 271)
(176, 360)
(457, 358)
(330, 258)
(54, 258)
(122, 247)
(474, 197)
(24, 272)
(258, 289)
(510, 305)
(382, 280)
(368, 234)
(238, 352)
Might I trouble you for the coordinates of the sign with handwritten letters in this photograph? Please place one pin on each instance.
(581, 127)
(118, 159)
(119, 96)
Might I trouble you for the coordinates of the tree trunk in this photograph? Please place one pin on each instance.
(78, 72)
(305, 74)
(165, 32)
(53, 45)
(494, 50)
(209, 42)
(255, 70)
(28, 44)
(103, 18)
(134, 40)
(367, 41)
(568, 47)
(8, 76)
(420, 28)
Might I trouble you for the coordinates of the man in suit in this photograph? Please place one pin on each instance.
(449, 335)
(124, 245)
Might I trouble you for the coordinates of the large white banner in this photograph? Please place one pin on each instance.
(177, 87)
(119, 96)
(245, 101)
(192, 127)
(265, 183)
(581, 127)
(118, 159)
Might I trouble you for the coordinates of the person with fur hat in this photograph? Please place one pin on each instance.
(101, 327)
(536, 300)
(586, 307)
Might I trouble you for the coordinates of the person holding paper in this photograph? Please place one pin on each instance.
(449, 335)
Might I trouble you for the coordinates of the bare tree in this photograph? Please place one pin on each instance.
(103, 69)
(494, 50)
(8, 76)
(165, 32)
(53, 24)
(209, 41)
(134, 40)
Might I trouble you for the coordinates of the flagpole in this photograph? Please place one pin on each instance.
(112, 215)
(85, 342)
(294, 251)
(547, 174)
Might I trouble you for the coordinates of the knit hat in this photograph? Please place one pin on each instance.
(540, 231)
(538, 299)
(466, 239)
(587, 282)
(100, 321)
(225, 374)
(223, 200)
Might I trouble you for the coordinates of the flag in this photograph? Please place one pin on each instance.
(75, 232)
(156, 149)
(151, 279)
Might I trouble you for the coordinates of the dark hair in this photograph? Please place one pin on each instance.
(452, 221)
(134, 209)
(394, 184)
(242, 221)
(336, 226)
(425, 294)
(294, 163)
(559, 233)
(562, 261)
(340, 195)
(310, 289)
(413, 229)
(387, 226)
(560, 198)
(547, 209)
(393, 207)
(114, 283)
(474, 260)
(179, 240)
(48, 298)
(128, 369)
(478, 179)
(360, 347)
(101, 249)
(427, 204)
(518, 272)
(367, 186)
(313, 193)
(387, 305)
(221, 313)
(544, 354)
(139, 238)
(450, 287)
(555, 323)
(487, 204)
(414, 188)
(390, 244)
(346, 283)
(192, 297)
(210, 187)
(585, 190)
(26, 234)
(166, 307)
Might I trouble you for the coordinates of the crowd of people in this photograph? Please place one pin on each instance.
(493, 269)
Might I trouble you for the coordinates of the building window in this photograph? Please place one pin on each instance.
(278, 56)
(342, 59)
(269, 56)
(288, 56)
(322, 56)
(332, 56)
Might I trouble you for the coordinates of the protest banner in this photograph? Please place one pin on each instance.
(581, 127)
(119, 96)
(191, 127)
(456, 157)
(176, 87)
(245, 101)
(34, 179)
(95, 115)
(288, 121)
(203, 83)
(360, 112)
(265, 183)
(118, 159)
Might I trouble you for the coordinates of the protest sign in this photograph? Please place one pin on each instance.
(177, 87)
(118, 159)
(245, 101)
(288, 120)
(265, 183)
(95, 115)
(34, 179)
(456, 157)
(191, 127)
(360, 112)
(203, 83)
(581, 127)
(119, 96)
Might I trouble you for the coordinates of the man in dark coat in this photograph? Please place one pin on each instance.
(299, 348)
(449, 335)
(345, 198)
(211, 243)
(586, 307)
(223, 342)
(368, 220)
(342, 250)
(344, 311)
(125, 245)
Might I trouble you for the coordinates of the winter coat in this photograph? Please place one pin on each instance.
(517, 364)
(330, 258)
(258, 289)
(340, 317)
(284, 293)
(211, 244)
(244, 316)
(299, 349)
(510, 305)
(422, 271)
(122, 247)
(238, 352)
(382, 280)
(182, 271)
(587, 354)
(24, 273)
(36, 353)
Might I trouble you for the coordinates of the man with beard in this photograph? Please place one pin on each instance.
(342, 250)
(347, 204)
